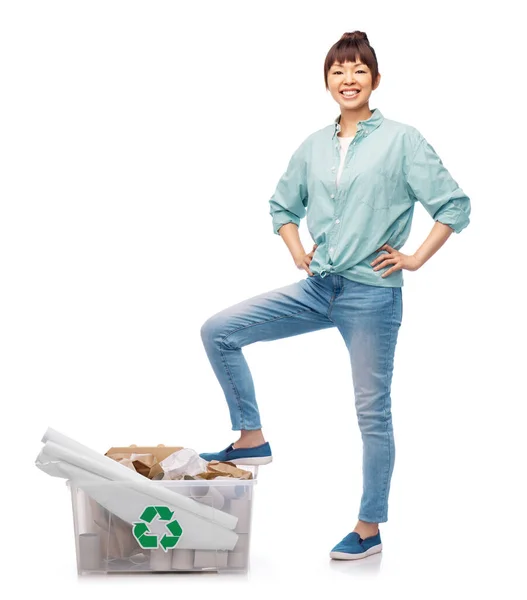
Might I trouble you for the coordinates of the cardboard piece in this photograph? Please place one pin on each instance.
(145, 459)
(227, 468)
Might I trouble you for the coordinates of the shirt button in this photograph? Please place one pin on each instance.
(331, 249)
(332, 195)
(332, 168)
(337, 221)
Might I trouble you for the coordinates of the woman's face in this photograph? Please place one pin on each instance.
(351, 75)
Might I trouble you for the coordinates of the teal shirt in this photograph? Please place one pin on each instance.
(388, 166)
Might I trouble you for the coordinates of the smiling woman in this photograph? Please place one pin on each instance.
(357, 180)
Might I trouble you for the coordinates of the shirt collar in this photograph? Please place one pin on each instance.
(367, 125)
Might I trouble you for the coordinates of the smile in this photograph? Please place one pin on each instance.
(350, 94)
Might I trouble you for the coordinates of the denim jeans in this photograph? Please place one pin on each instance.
(368, 318)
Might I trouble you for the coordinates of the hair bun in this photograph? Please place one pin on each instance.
(355, 35)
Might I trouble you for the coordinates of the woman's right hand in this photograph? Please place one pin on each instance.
(303, 261)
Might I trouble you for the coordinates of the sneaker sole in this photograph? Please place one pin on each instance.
(349, 556)
(260, 460)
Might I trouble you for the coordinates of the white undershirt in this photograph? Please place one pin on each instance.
(344, 145)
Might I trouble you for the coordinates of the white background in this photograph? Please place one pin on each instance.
(140, 144)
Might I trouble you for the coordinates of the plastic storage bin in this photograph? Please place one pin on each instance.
(164, 538)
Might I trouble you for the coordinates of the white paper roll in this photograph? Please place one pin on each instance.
(204, 559)
(59, 438)
(230, 490)
(182, 560)
(110, 469)
(207, 494)
(85, 516)
(241, 508)
(239, 557)
(160, 560)
(90, 552)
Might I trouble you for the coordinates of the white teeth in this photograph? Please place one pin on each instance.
(346, 93)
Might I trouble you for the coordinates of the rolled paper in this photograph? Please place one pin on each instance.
(204, 559)
(90, 552)
(207, 494)
(239, 557)
(241, 490)
(241, 508)
(99, 516)
(182, 560)
(114, 471)
(199, 491)
(128, 504)
(160, 560)
(55, 440)
(232, 490)
(86, 514)
(59, 438)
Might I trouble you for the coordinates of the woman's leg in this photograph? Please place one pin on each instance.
(369, 317)
(291, 310)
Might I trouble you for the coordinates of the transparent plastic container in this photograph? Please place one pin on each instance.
(118, 529)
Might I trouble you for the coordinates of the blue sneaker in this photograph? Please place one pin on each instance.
(259, 455)
(353, 546)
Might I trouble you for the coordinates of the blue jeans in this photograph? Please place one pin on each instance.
(368, 318)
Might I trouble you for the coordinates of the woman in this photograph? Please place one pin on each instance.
(357, 181)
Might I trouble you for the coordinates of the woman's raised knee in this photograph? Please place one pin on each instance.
(213, 329)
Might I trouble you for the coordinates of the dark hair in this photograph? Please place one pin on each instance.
(353, 47)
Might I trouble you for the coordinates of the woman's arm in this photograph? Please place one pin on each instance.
(430, 183)
(289, 201)
(436, 238)
(397, 260)
(289, 233)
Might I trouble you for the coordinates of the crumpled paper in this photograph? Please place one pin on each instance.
(188, 464)
(183, 462)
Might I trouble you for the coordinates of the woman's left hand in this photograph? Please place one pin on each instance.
(395, 258)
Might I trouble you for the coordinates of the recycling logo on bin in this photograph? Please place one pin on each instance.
(150, 540)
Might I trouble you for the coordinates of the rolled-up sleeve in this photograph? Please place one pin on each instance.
(289, 201)
(430, 183)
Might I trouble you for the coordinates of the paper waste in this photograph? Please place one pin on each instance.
(125, 493)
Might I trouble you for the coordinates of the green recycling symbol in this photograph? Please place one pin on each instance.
(150, 540)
